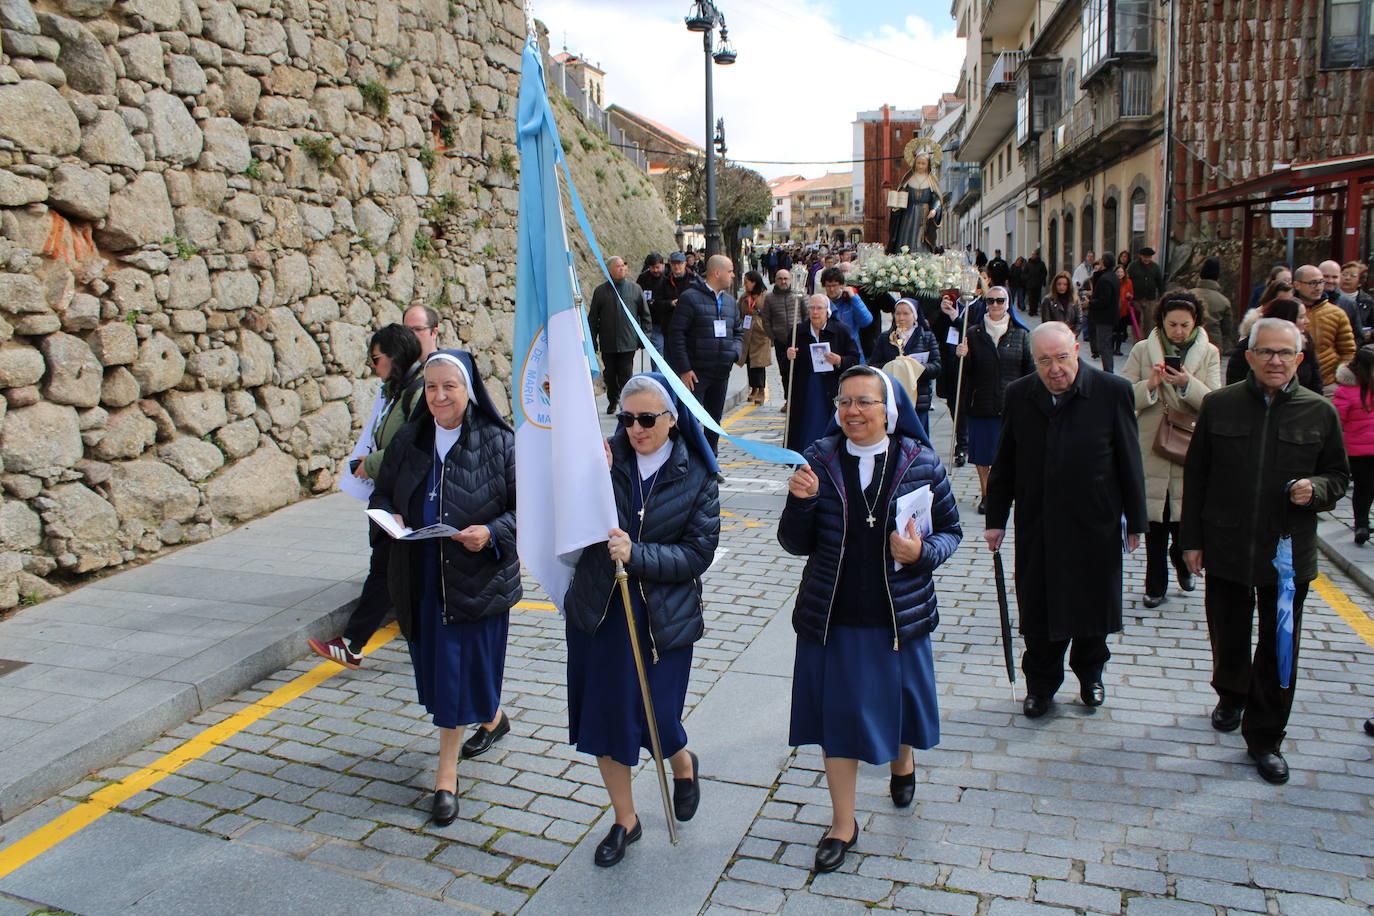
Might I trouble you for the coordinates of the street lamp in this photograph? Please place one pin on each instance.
(704, 17)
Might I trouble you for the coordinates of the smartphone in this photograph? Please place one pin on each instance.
(1174, 362)
(353, 465)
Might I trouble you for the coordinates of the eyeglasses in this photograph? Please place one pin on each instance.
(645, 420)
(864, 403)
(1267, 353)
(416, 329)
(1001, 299)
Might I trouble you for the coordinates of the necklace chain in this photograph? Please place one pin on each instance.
(877, 495)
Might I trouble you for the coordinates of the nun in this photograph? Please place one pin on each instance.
(911, 355)
(824, 349)
(454, 464)
(863, 683)
(663, 475)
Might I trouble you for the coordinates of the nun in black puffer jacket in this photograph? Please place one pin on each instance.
(663, 476)
(863, 683)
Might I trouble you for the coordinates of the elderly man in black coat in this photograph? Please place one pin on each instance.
(1069, 458)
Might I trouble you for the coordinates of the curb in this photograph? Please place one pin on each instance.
(1346, 565)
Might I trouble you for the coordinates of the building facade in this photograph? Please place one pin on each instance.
(880, 136)
(779, 225)
(823, 211)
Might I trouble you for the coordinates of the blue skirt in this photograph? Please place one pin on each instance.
(458, 667)
(983, 433)
(605, 711)
(856, 697)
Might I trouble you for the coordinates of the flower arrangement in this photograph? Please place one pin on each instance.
(919, 272)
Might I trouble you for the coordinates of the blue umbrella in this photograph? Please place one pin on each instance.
(1283, 637)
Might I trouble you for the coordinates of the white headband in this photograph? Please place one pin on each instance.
(669, 404)
(442, 357)
(889, 405)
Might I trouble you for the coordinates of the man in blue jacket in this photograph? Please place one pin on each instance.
(705, 338)
(849, 308)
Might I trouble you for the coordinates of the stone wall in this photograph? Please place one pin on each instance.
(206, 207)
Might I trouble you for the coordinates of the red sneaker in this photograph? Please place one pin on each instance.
(336, 650)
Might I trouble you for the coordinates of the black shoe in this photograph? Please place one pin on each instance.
(981, 508)
(1152, 600)
(1361, 536)
(902, 788)
(687, 792)
(1186, 581)
(610, 408)
(1227, 718)
(720, 478)
(1271, 765)
(483, 738)
(960, 459)
(830, 852)
(1369, 727)
(612, 849)
(1093, 693)
(444, 809)
(1036, 706)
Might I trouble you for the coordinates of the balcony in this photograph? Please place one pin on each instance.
(996, 117)
(1114, 119)
(1005, 17)
(970, 191)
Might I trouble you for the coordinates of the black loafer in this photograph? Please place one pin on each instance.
(830, 852)
(1369, 727)
(612, 849)
(1271, 765)
(959, 459)
(1186, 581)
(1035, 706)
(687, 792)
(482, 738)
(1227, 718)
(1152, 600)
(445, 808)
(982, 509)
(1093, 694)
(902, 789)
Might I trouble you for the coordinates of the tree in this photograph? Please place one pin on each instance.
(742, 196)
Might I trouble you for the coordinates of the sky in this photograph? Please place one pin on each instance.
(805, 68)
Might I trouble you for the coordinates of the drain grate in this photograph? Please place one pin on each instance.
(8, 666)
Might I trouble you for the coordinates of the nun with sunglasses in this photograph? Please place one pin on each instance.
(863, 681)
(454, 464)
(663, 475)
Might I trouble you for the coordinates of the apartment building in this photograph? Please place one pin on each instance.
(823, 210)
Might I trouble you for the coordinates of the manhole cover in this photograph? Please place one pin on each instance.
(8, 665)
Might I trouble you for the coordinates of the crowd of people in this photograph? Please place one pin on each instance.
(1226, 478)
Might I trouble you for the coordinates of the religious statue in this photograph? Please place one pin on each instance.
(921, 204)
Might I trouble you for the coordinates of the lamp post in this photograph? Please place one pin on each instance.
(704, 17)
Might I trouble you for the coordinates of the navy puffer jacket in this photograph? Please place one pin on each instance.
(681, 531)
(691, 335)
(815, 528)
(478, 489)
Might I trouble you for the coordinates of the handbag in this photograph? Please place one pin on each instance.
(1174, 435)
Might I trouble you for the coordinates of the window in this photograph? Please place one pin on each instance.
(1068, 241)
(1111, 217)
(1070, 86)
(1053, 246)
(1089, 227)
(1349, 36)
(1138, 216)
(1095, 22)
(1133, 28)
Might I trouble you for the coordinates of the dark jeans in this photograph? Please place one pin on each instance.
(1043, 661)
(711, 393)
(1362, 476)
(1033, 299)
(1102, 341)
(1243, 679)
(375, 601)
(758, 376)
(784, 365)
(615, 372)
(1161, 539)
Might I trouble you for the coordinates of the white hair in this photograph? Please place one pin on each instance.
(1052, 327)
(642, 384)
(818, 299)
(1277, 324)
(442, 357)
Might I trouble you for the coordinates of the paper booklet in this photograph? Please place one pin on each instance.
(388, 524)
(917, 504)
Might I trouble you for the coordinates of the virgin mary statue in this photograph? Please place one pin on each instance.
(914, 224)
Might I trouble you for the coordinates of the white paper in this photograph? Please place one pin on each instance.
(917, 504)
(923, 357)
(952, 338)
(720, 327)
(818, 353)
(648, 295)
(748, 322)
(402, 533)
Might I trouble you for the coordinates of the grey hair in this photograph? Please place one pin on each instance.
(1002, 288)
(1278, 324)
(613, 259)
(1049, 327)
(818, 299)
(642, 384)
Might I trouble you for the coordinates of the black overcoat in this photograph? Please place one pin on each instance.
(1073, 471)
(837, 334)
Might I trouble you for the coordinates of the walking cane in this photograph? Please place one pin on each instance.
(654, 746)
(959, 385)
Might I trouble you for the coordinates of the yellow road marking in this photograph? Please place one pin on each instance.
(535, 606)
(1340, 602)
(104, 800)
(740, 464)
(738, 415)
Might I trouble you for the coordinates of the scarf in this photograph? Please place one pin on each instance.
(1178, 349)
(996, 329)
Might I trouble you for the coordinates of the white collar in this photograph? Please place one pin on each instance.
(445, 439)
(649, 464)
(866, 451)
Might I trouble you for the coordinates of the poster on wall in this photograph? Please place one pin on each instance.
(1137, 217)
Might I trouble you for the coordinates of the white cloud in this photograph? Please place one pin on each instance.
(797, 85)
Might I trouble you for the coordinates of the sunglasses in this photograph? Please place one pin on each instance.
(645, 420)
(998, 299)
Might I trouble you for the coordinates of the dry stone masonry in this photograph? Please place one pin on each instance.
(206, 208)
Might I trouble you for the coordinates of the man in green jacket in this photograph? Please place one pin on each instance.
(1266, 456)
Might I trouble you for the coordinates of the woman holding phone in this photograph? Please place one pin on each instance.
(1172, 369)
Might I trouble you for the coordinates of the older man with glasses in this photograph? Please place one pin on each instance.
(423, 322)
(1266, 456)
(1327, 322)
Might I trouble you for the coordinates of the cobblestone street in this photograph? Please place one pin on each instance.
(319, 803)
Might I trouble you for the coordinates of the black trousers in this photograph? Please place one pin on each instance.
(1043, 661)
(375, 602)
(758, 376)
(1362, 476)
(1033, 299)
(616, 371)
(711, 393)
(1161, 540)
(1241, 678)
(780, 353)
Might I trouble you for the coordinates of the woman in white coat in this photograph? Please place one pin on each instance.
(1172, 369)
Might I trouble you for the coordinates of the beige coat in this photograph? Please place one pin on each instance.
(758, 342)
(1163, 478)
